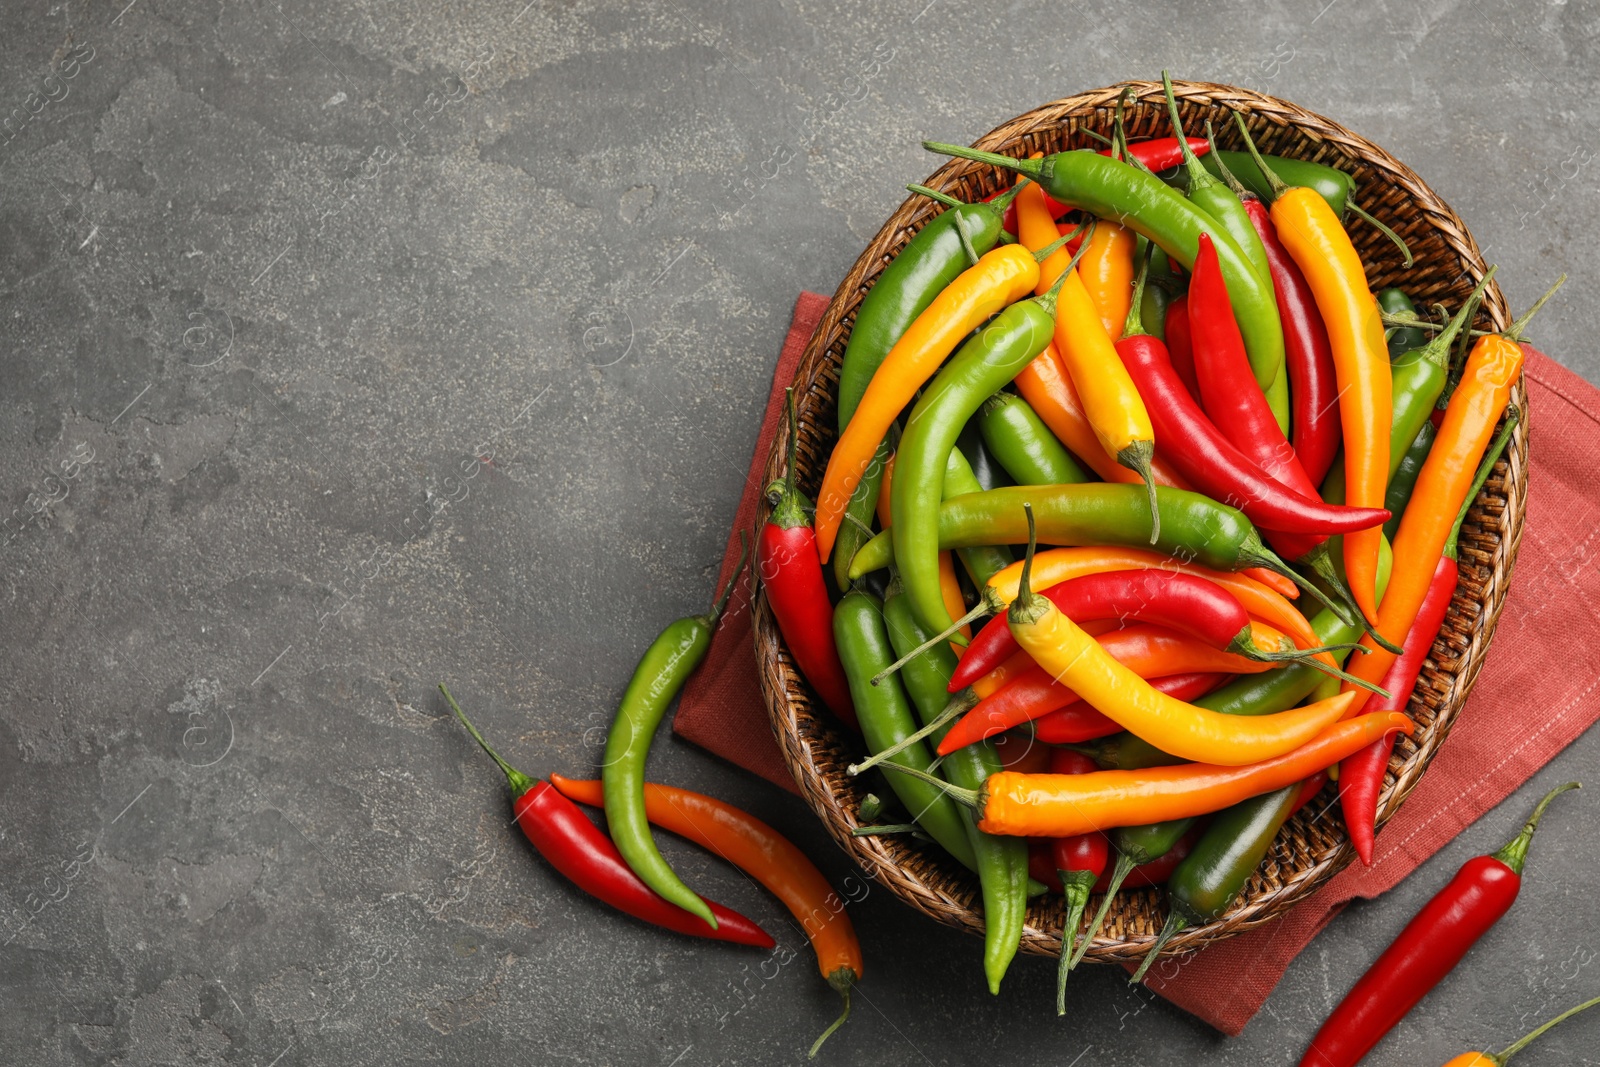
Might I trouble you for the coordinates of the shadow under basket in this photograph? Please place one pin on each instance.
(1314, 845)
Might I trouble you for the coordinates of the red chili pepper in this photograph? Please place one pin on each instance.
(1426, 950)
(1184, 602)
(1308, 792)
(1157, 871)
(1180, 344)
(580, 850)
(1213, 465)
(1160, 153)
(1313, 388)
(1078, 722)
(791, 571)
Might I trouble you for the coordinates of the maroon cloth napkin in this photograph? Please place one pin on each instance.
(1531, 690)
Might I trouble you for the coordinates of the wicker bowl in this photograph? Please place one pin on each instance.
(1314, 845)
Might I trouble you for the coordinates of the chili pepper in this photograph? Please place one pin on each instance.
(1419, 375)
(581, 851)
(1077, 861)
(662, 670)
(1147, 651)
(1107, 273)
(1330, 183)
(1158, 299)
(1002, 276)
(1491, 370)
(885, 716)
(1499, 1059)
(1404, 481)
(1136, 199)
(1057, 644)
(1044, 384)
(1078, 722)
(1158, 870)
(1156, 154)
(1404, 338)
(1361, 776)
(1427, 949)
(1205, 885)
(1135, 846)
(984, 466)
(767, 856)
(791, 574)
(1180, 344)
(1320, 247)
(982, 562)
(1024, 446)
(989, 360)
(1002, 864)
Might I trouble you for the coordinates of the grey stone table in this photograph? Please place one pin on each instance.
(352, 347)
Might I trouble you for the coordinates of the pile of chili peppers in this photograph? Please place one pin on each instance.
(1251, 471)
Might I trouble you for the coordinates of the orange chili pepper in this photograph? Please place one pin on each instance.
(1059, 805)
(950, 590)
(765, 855)
(1001, 277)
(1107, 270)
(1492, 368)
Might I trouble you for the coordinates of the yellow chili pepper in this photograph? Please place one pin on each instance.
(1001, 277)
(1107, 270)
(1077, 661)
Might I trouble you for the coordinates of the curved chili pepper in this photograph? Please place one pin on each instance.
(765, 855)
(1002, 276)
(581, 851)
(1361, 776)
(1180, 344)
(1320, 247)
(791, 574)
(1023, 445)
(1078, 722)
(662, 670)
(1158, 153)
(1491, 370)
(1427, 949)
(1499, 1059)
(1136, 199)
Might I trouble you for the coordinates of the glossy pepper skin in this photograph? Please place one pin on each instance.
(1427, 949)
(1157, 154)
(1078, 722)
(577, 848)
(1330, 183)
(1024, 445)
(791, 574)
(1180, 344)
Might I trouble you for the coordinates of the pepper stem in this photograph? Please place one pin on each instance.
(1320, 561)
(1033, 168)
(958, 706)
(1489, 460)
(972, 798)
(1274, 182)
(1437, 350)
(1061, 242)
(1517, 1046)
(1400, 242)
(1136, 457)
(721, 604)
(1133, 325)
(1228, 176)
(1075, 887)
(1175, 923)
(1003, 201)
(1119, 874)
(1515, 332)
(1047, 299)
(841, 980)
(1119, 135)
(935, 195)
(1515, 852)
(989, 603)
(520, 783)
(1028, 606)
(1198, 175)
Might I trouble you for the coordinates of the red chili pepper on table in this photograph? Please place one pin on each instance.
(791, 572)
(1160, 153)
(1180, 344)
(1078, 722)
(580, 850)
(1426, 950)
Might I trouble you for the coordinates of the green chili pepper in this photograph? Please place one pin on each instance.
(855, 528)
(1211, 877)
(981, 562)
(1330, 183)
(1158, 291)
(1024, 445)
(1419, 378)
(984, 466)
(1405, 478)
(665, 666)
(990, 359)
(1401, 338)
(1114, 190)
(1002, 862)
(1212, 194)
(885, 717)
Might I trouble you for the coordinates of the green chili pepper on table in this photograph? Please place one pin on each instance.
(665, 666)
(1024, 445)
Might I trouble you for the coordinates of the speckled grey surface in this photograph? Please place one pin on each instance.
(271, 275)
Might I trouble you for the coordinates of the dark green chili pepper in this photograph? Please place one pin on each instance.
(886, 719)
(984, 466)
(981, 562)
(1135, 845)
(1405, 478)
(1024, 445)
(1402, 338)
(1159, 290)
(1002, 862)
(1111, 189)
(663, 669)
(1211, 877)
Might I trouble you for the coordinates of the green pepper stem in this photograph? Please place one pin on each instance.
(1027, 607)
(1515, 852)
(989, 603)
(1321, 564)
(1119, 874)
(841, 980)
(971, 798)
(1047, 299)
(1199, 177)
(1061, 242)
(935, 195)
(1395, 318)
(1003, 201)
(1516, 331)
(1490, 458)
(1033, 168)
(1371, 220)
(1137, 458)
(520, 783)
(721, 604)
(1233, 182)
(1274, 182)
(958, 706)
(1133, 325)
(884, 828)
(1437, 350)
(1075, 887)
(1517, 1046)
(1174, 924)
(1109, 142)
(1119, 132)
